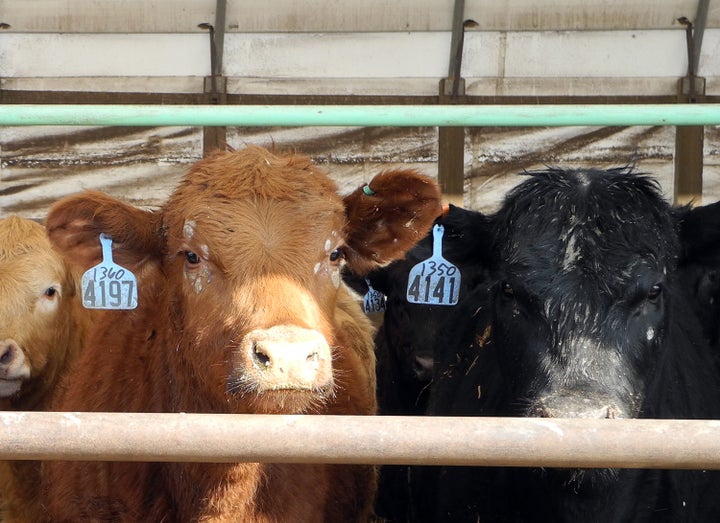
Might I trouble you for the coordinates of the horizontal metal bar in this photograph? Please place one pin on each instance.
(619, 443)
(360, 115)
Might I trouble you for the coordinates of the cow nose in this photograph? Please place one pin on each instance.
(288, 357)
(14, 367)
(572, 406)
(12, 360)
(9, 350)
(423, 368)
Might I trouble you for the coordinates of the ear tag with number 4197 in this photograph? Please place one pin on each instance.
(374, 300)
(434, 281)
(108, 285)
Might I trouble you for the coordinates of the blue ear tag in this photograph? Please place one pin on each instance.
(374, 300)
(434, 281)
(108, 285)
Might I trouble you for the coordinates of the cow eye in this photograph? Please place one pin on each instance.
(50, 292)
(192, 258)
(336, 255)
(507, 290)
(654, 292)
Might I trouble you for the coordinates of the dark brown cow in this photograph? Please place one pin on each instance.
(41, 329)
(241, 309)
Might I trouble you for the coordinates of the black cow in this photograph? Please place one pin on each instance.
(701, 272)
(405, 341)
(587, 312)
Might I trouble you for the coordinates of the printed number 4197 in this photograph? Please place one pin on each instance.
(109, 294)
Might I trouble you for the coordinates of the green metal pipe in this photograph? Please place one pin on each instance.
(360, 115)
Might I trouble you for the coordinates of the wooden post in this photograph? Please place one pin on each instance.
(451, 140)
(451, 164)
(688, 164)
(689, 139)
(215, 85)
(215, 137)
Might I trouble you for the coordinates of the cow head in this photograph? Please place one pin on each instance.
(405, 344)
(249, 249)
(586, 268)
(35, 313)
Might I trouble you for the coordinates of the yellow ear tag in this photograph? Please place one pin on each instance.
(434, 281)
(108, 285)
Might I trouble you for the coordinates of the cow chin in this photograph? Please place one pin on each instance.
(281, 400)
(9, 388)
(575, 480)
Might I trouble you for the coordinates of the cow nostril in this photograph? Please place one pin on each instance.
(261, 359)
(7, 355)
(312, 358)
(423, 367)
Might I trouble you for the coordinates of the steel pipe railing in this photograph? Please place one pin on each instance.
(618, 443)
(360, 115)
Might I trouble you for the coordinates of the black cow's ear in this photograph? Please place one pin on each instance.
(467, 234)
(700, 234)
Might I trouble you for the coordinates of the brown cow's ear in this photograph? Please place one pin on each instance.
(388, 216)
(74, 225)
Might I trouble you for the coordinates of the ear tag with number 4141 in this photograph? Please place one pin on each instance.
(434, 281)
(108, 285)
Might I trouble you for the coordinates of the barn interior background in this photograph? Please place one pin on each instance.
(354, 51)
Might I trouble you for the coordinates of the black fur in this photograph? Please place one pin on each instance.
(586, 312)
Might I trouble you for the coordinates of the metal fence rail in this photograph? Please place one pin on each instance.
(360, 115)
(618, 443)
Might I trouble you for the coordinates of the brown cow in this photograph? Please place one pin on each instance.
(241, 309)
(41, 329)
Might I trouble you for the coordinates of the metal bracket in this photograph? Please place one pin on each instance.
(454, 85)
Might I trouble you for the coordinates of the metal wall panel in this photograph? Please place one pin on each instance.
(343, 15)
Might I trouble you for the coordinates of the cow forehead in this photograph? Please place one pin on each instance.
(255, 172)
(261, 227)
(583, 231)
(253, 209)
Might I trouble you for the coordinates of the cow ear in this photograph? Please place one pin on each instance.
(74, 225)
(388, 216)
(700, 234)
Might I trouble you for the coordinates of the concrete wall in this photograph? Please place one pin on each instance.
(354, 47)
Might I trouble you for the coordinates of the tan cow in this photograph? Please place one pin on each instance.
(41, 329)
(241, 309)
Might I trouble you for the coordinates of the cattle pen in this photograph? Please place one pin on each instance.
(619, 443)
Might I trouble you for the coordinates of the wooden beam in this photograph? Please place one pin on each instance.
(688, 164)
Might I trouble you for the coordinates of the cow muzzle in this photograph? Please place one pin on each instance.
(579, 405)
(14, 368)
(286, 357)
